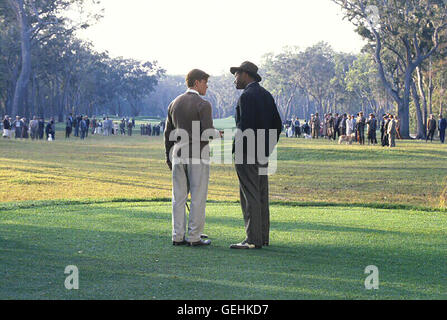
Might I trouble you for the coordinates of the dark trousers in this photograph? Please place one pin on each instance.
(67, 132)
(335, 133)
(361, 136)
(385, 141)
(430, 135)
(372, 137)
(254, 194)
(442, 135)
(34, 133)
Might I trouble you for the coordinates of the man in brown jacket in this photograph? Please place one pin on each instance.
(189, 125)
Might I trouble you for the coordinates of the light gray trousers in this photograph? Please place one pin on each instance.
(189, 178)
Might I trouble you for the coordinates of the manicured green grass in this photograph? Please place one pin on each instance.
(308, 171)
(123, 250)
(102, 204)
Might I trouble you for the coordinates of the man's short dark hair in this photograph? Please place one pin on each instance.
(194, 75)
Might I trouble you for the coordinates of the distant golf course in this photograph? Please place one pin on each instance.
(103, 204)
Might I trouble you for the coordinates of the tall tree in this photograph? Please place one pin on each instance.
(400, 27)
(37, 20)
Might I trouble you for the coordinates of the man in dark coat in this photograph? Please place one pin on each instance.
(77, 125)
(337, 121)
(372, 127)
(431, 128)
(129, 128)
(68, 126)
(306, 128)
(382, 129)
(361, 121)
(256, 113)
(442, 126)
(84, 128)
(6, 127)
(87, 122)
(41, 128)
(385, 140)
(49, 129)
(297, 126)
(342, 125)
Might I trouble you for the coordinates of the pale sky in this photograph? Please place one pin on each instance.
(214, 35)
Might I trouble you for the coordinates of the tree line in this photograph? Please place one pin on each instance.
(401, 69)
(46, 70)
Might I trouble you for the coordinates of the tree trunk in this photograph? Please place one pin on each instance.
(25, 38)
(430, 88)
(424, 99)
(404, 106)
(419, 117)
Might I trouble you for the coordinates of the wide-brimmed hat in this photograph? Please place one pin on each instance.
(248, 67)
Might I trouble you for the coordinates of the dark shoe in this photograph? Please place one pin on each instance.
(244, 245)
(266, 244)
(179, 243)
(200, 243)
(203, 236)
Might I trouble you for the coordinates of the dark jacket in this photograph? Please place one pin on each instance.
(49, 129)
(84, 125)
(256, 109)
(372, 125)
(6, 124)
(442, 124)
(431, 125)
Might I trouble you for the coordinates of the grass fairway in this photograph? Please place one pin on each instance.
(123, 250)
(308, 171)
(103, 205)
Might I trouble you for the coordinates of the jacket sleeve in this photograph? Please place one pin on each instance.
(206, 117)
(169, 128)
(277, 123)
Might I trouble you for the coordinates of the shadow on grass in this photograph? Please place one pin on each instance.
(144, 265)
(232, 222)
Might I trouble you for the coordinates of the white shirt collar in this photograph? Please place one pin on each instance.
(192, 91)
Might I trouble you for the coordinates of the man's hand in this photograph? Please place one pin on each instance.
(169, 163)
